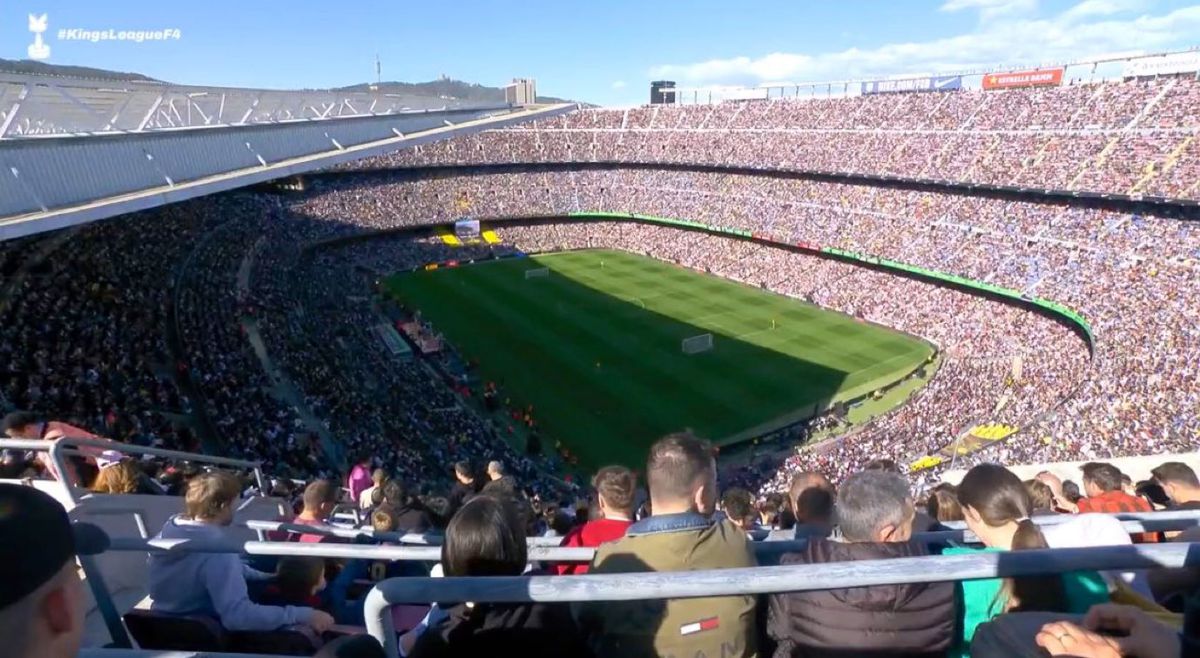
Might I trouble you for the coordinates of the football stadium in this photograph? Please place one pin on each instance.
(900, 358)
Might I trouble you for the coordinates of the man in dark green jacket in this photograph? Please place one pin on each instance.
(680, 536)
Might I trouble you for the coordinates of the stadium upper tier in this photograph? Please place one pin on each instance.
(1138, 137)
(41, 105)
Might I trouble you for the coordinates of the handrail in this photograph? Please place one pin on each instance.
(778, 543)
(326, 550)
(106, 652)
(760, 580)
(1131, 522)
(417, 539)
(1125, 517)
(58, 448)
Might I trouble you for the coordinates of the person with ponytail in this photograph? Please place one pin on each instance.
(996, 507)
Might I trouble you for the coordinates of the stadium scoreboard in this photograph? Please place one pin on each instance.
(466, 229)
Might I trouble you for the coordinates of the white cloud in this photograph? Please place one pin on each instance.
(1089, 8)
(1089, 28)
(990, 9)
(619, 84)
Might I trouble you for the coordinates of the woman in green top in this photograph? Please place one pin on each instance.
(996, 507)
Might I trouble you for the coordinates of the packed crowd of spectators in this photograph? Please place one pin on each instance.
(1132, 137)
(84, 325)
(247, 417)
(160, 303)
(1131, 277)
(241, 259)
(406, 412)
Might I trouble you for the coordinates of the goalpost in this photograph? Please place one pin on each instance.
(697, 344)
(537, 273)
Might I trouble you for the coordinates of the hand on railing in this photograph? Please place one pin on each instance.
(1130, 632)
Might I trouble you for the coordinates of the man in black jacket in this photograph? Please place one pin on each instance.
(874, 512)
(499, 482)
(464, 488)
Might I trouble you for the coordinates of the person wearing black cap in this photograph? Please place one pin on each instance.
(41, 595)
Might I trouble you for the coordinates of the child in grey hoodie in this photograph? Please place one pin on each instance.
(215, 583)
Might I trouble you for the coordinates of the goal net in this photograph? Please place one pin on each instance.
(537, 273)
(697, 344)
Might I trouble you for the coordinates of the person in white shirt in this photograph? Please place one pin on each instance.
(378, 477)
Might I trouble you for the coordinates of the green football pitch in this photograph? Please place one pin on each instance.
(596, 348)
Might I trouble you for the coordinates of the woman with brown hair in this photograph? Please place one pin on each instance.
(943, 503)
(996, 507)
(120, 477)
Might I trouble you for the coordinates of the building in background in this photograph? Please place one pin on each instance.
(662, 92)
(522, 91)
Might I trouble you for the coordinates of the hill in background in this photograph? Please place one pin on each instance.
(30, 67)
(443, 88)
(447, 88)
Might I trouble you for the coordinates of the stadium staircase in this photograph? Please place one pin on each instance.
(1166, 89)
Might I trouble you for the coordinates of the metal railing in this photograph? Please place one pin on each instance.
(160, 653)
(542, 549)
(1149, 521)
(1131, 522)
(759, 580)
(410, 539)
(60, 448)
(327, 550)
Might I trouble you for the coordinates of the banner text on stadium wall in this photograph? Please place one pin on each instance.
(933, 83)
(1162, 65)
(1014, 79)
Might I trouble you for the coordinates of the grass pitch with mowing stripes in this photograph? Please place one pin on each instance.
(595, 347)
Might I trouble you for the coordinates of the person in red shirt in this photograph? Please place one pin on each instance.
(1103, 494)
(615, 487)
(320, 497)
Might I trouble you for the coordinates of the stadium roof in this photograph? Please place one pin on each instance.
(47, 105)
(52, 183)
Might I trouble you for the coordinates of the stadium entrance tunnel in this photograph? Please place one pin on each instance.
(597, 349)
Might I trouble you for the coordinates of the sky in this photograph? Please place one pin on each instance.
(601, 51)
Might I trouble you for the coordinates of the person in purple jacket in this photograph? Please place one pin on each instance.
(360, 477)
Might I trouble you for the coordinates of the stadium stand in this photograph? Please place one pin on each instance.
(1128, 137)
(247, 324)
